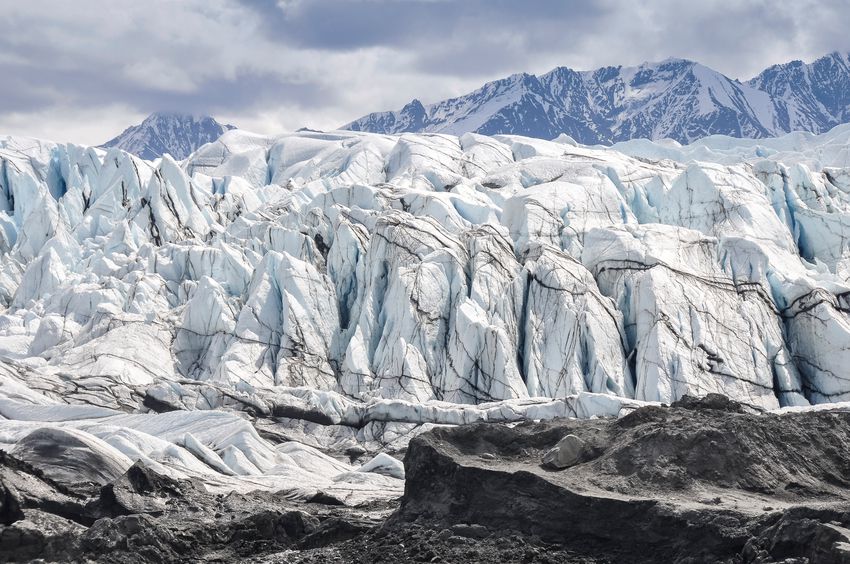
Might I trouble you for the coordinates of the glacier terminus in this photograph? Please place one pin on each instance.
(378, 283)
(235, 318)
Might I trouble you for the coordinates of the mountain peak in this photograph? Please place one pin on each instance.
(840, 55)
(674, 61)
(414, 107)
(175, 133)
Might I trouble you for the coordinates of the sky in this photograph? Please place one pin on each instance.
(83, 71)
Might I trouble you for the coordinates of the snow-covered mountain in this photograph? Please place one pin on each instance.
(179, 135)
(676, 99)
(809, 97)
(224, 317)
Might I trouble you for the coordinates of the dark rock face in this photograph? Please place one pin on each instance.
(143, 516)
(701, 483)
(39, 518)
(61, 453)
(704, 480)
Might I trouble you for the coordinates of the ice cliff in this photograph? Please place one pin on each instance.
(339, 289)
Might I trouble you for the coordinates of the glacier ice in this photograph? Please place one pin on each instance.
(238, 315)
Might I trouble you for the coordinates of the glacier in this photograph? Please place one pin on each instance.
(246, 315)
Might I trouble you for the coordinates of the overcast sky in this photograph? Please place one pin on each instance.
(83, 71)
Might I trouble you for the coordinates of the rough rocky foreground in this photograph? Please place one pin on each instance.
(701, 481)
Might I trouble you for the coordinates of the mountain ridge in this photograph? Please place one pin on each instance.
(174, 133)
(674, 98)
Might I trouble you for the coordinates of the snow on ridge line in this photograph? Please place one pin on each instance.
(162, 132)
(350, 288)
(674, 98)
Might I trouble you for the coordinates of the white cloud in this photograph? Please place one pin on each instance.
(91, 126)
(153, 74)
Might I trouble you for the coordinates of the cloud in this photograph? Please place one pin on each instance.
(270, 65)
(352, 24)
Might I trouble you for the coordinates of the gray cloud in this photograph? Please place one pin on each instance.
(350, 24)
(246, 90)
(271, 65)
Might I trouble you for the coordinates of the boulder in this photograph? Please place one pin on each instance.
(568, 452)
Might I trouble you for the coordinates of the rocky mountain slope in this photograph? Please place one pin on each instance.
(179, 135)
(810, 97)
(676, 99)
(283, 313)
